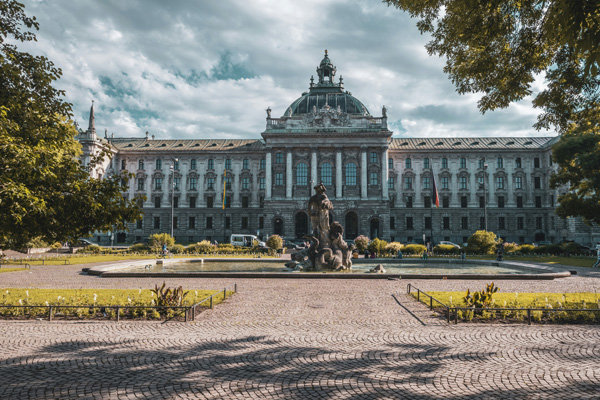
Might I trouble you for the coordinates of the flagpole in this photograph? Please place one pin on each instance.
(224, 199)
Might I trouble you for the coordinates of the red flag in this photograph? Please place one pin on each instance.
(436, 196)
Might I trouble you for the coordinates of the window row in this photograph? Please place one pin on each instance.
(193, 164)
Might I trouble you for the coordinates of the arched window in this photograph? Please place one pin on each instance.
(278, 226)
(350, 174)
(301, 224)
(351, 222)
(326, 174)
(374, 228)
(302, 174)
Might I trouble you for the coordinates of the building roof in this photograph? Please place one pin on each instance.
(146, 145)
(471, 143)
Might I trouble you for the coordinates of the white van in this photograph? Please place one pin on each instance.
(245, 240)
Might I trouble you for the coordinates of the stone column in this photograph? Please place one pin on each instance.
(338, 173)
(313, 170)
(289, 174)
(268, 175)
(363, 173)
(385, 173)
(236, 167)
(219, 168)
(201, 176)
(254, 192)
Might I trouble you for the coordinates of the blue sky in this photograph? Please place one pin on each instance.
(209, 69)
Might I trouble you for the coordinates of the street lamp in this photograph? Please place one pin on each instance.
(172, 168)
(485, 166)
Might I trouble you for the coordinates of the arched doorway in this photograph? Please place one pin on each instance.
(351, 225)
(374, 229)
(278, 226)
(301, 224)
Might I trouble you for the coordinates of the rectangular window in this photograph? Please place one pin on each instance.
(520, 222)
(444, 182)
(518, 163)
(519, 182)
(409, 223)
(463, 163)
(228, 183)
(193, 183)
(245, 183)
(538, 201)
(261, 183)
(261, 222)
(481, 222)
(156, 222)
(210, 183)
(408, 163)
(158, 164)
(480, 163)
(209, 202)
(158, 184)
(227, 222)
(426, 182)
(501, 223)
(193, 164)
(392, 223)
(536, 162)
(464, 223)
(261, 201)
(157, 202)
(174, 222)
(538, 223)
(463, 201)
(551, 200)
(228, 163)
(444, 162)
(279, 158)
(227, 201)
(373, 178)
(537, 182)
(499, 182)
(550, 160)
(245, 201)
(462, 182)
(141, 164)
(176, 165)
(552, 225)
(175, 202)
(211, 163)
(263, 163)
(244, 222)
(446, 223)
(427, 202)
(192, 202)
(373, 157)
(391, 184)
(499, 162)
(500, 201)
(192, 223)
(246, 164)
(390, 163)
(426, 163)
(139, 224)
(481, 201)
(177, 182)
(408, 183)
(279, 179)
(409, 201)
(445, 202)
(140, 182)
(209, 222)
(519, 201)
(123, 164)
(427, 222)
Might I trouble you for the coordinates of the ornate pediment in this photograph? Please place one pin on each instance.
(326, 117)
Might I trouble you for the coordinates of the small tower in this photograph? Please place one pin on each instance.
(326, 71)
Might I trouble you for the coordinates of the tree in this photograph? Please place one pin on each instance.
(158, 240)
(497, 48)
(274, 242)
(45, 191)
(482, 242)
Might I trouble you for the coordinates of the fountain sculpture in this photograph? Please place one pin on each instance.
(327, 250)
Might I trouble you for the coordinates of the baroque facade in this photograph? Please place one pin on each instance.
(380, 186)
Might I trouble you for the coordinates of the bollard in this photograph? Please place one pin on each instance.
(185, 315)
(235, 287)
(418, 295)
(224, 293)
(50, 313)
(448, 315)
(456, 316)
(529, 316)
(431, 303)
(118, 313)
(211, 303)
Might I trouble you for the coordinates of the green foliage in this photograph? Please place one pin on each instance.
(139, 248)
(510, 247)
(36, 243)
(554, 249)
(414, 249)
(177, 249)
(159, 239)
(169, 297)
(481, 299)
(203, 247)
(482, 242)
(377, 246)
(275, 242)
(361, 243)
(393, 248)
(526, 248)
(45, 191)
(445, 249)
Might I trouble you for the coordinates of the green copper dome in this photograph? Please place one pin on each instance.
(326, 92)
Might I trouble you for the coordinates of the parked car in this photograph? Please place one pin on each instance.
(288, 244)
(245, 240)
(446, 243)
(542, 243)
(84, 242)
(300, 243)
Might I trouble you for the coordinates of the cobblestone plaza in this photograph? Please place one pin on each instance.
(298, 339)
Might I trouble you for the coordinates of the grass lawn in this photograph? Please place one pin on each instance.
(573, 261)
(11, 269)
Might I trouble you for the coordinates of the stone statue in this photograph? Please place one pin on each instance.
(269, 112)
(327, 249)
(288, 113)
(384, 112)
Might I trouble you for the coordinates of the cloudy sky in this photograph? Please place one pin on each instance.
(209, 69)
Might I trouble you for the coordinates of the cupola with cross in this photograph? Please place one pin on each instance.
(326, 71)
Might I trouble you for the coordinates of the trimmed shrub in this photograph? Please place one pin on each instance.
(526, 248)
(139, 248)
(482, 242)
(177, 249)
(361, 243)
(445, 249)
(377, 246)
(203, 247)
(553, 249)
(275, 242)
(414, 249)
(159, 239)
(393, 247)
(510, 247)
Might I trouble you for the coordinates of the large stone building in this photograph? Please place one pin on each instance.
(380, 186)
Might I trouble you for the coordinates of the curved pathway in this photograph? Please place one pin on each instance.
(296, 339)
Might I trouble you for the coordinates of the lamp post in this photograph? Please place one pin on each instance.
(485, 224)
(174, 160)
